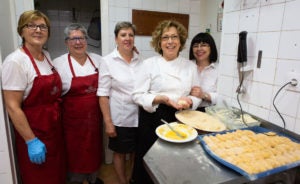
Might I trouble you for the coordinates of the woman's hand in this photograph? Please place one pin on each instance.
(110, 130)
(160, 99)
(184, 103)
(197, 92)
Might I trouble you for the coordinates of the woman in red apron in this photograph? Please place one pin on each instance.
(32, 88)
(82, 118)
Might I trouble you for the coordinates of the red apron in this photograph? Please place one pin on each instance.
(82, 120)
(43, 112)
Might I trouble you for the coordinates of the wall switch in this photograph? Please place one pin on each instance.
(293, 75)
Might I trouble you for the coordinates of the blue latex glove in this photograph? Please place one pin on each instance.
(36, 151)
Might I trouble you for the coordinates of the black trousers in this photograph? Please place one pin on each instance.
(202, 109)
(148, 122)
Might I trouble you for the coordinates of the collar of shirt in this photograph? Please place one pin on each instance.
(116, 54)
(212, 65)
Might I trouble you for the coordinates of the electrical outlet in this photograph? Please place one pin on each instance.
(293, 75)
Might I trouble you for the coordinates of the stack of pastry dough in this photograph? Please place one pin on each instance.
(253, 153)
(200, 120)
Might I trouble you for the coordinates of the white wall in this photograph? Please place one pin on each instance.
(8, 22)
(209, 12)
(120, 10)
(274, 28)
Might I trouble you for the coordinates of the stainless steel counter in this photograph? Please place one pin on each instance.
(188, 163)
(172, 163)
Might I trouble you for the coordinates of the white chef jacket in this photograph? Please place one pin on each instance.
(62, 66)
(160, 77)
(116, 80)
(18, 72)
(208, 78)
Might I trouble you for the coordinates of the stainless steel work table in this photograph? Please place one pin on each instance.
(188, 163)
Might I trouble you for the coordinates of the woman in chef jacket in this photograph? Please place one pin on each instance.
(82, 119)
(204, 52)
(32, 89)
(162, 87)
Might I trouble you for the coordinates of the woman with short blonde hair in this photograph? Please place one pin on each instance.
(31, 89)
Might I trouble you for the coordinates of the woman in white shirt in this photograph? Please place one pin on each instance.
(82, 119)
(31, 91)
(204, 52)
(163, 81)
(116, 82)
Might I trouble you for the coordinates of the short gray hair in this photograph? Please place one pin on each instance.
(73, 27)
(124, 25)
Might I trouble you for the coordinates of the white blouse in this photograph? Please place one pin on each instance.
(208, 78)
(116, 80)
(62, 66)
(160, 77)
(18, 72)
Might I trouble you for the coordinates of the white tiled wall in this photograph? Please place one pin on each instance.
(60, 14)
(272, 27)
(120, 10)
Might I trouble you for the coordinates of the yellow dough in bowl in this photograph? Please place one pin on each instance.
(187, 132)
(172, 135)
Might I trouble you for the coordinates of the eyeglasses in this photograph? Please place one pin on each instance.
(166, 38)
(42, 27)
(202, 45)
(75, 39)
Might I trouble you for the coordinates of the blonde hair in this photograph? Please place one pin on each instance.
(159, 30)
(29, 16)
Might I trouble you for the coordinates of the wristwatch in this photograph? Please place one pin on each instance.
(205, 97)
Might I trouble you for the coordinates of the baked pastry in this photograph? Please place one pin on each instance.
(254, 152)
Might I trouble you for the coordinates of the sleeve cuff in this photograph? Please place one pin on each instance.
(196, 102)
(148, 104)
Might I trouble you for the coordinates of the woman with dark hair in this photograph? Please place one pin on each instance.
(162, 88)
(31, 89)
(204, 52)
